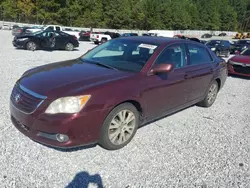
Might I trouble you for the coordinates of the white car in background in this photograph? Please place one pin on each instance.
(161, 33)
(101, 37)
(55, 28)
(6, 27)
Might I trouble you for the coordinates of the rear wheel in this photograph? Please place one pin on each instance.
(211, 95)
(69, 46)
(103, 40)
(31, 46)
(119, 127)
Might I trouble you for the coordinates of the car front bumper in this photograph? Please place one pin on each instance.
(18, 44)
(240, 69)
(81, 129)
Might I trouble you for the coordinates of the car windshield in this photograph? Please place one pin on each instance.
(121, 54)
(213, 42)
(246, 52)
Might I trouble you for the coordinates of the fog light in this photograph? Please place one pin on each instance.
(62, 137)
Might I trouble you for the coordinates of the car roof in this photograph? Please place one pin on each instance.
(156, 40)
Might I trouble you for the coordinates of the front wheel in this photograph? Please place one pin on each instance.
(69, 46)
(211, 95)
(31, 46)
(119, 127)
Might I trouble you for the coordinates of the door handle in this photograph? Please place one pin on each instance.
(185, 76)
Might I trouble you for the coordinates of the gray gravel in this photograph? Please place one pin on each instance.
(196, 147)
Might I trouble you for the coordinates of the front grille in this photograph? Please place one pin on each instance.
(242, 70)
(24, 100)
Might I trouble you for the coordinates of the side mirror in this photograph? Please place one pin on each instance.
(162, 68)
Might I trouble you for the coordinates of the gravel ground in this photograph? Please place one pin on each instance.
(196, 147)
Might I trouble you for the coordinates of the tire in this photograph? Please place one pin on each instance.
(128, 130)
(210, 96)
(31, 46)
(103, 40)
(69, 46)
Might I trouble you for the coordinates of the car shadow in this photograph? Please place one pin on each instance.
(48, 50)
(239, 76)
(84, 179)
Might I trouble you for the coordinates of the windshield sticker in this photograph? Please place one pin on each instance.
(152, 47)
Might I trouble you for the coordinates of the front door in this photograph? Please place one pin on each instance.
(166, 92)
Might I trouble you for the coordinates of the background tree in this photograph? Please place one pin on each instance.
(132, 14)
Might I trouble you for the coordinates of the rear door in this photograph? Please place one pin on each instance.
(199, 70)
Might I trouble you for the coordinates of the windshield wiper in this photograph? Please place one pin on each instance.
(105, 65)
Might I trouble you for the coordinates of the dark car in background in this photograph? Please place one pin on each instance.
(219, 47)
(222, 35)
(15, 26)
(84, 36)
(129, 34)
(206, 35)
(20, 30)
(239, 46)
(240, 64)
(105, 95)
(53, 40)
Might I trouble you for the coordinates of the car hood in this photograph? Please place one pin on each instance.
(62, 78)
(241, 59)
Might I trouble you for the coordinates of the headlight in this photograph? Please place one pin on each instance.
(22, 39)
(68, 104)
(213, 49)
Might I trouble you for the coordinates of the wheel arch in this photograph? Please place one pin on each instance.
(135, 103)
(218, 80)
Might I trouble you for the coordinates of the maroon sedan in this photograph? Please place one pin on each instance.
(240, 64)
(106, 94)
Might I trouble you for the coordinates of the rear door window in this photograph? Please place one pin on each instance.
(198, 55)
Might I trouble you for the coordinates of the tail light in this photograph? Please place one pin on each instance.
(97, 36)
(19, 30)
(75, 37)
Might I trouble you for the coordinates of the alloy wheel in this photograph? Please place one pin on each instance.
(122, 127)
(69, 47)
(31, 46)
(212, 93)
